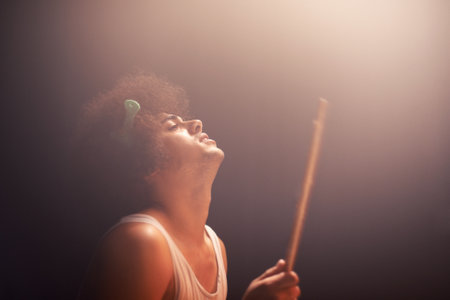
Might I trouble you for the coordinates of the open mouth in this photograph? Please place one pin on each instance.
(204, 138)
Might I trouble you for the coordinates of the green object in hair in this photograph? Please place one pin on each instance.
(131, 109)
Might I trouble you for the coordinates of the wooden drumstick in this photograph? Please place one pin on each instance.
(303, 200)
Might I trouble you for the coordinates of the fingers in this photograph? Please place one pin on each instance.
(275, 283)
(281, 280)
(279, 267)
(287, 294)
(284, 285)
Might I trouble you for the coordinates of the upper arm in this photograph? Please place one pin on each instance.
(136, 263)
(224, 254)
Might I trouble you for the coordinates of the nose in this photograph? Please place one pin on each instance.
(194, 126)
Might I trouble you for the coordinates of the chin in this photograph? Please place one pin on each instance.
(216, 154)
(222, 154)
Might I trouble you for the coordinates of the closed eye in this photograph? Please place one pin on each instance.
(173, 127)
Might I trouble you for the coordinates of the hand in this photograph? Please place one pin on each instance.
(274, 284)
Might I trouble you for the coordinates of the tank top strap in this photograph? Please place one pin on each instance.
(178, 260)
(222, 287)
(145, 219)
(216, 244)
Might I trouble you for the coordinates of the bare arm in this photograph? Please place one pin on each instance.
(133, 263)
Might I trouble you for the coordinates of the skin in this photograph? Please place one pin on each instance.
(134, 261)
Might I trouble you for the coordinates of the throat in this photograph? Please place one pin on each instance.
(183, 213)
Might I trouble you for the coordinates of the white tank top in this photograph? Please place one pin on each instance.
(187, 286)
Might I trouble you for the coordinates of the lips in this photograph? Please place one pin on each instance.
(203, 137)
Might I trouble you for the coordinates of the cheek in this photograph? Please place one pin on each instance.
(178, 146)
(160, 154)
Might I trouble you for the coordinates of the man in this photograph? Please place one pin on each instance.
(168, 164)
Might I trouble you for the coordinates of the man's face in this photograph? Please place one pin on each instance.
(185, 143)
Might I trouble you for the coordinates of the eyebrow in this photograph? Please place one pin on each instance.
(170, 117)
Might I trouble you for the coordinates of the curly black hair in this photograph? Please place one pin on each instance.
(105, 166)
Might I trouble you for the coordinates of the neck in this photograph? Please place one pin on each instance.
(183, 199)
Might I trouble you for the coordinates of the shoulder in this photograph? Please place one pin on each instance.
(139, 243)
(134, 236)
(136, 262)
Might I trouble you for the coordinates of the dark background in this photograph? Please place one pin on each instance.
(379, 222)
